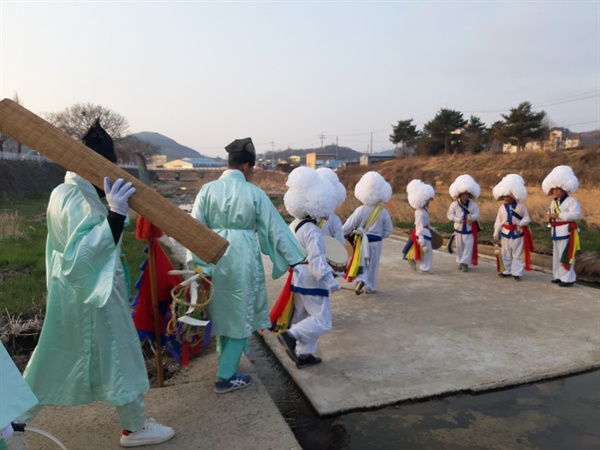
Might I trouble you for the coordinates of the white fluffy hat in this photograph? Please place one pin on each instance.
(308, 194)
(561, 177)
(419, 193)
(372, 189)
(513, 185)
(331, 176)
(464, 183)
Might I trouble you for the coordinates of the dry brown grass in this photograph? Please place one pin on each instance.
(9, 224)
(440, 172)
(537, 203)
(488, 170)
(12, 327)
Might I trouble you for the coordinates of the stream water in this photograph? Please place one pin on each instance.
(558, 414)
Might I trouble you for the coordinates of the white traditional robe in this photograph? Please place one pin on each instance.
(333, 227)
(463, 232)
(512, 242)
(382, 228)
(310, 284)
(423, 233)
(570, 211)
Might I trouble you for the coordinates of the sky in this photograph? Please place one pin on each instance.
(302, 74)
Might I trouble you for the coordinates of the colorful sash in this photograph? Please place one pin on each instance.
(361, 246)
(416, 248)
(568, 256)
(475, 254)
(528, 246)
(465, 210)
(408, 251)
(499, 262)
(474, 231)
(511, 212)
(281, 313)
(412, 249)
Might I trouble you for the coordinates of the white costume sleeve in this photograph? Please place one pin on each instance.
(386, 223)
(522, 209)
(500, 219)
(474, 210)
(570, 210)
(454, 212)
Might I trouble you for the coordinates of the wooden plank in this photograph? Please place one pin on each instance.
(38, 134)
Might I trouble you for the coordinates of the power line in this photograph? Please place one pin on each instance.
(582, 123)
(540, 105)
(559, 101)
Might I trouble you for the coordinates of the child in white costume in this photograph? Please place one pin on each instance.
(332, 226)
(512, 225)
(464, 212)
(563, 212)
(309, 198)
(419, 196)
(373, 222)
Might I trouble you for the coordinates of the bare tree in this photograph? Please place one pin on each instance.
(77, 119)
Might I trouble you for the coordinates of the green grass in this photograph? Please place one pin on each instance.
(22, 268)
(22, 264)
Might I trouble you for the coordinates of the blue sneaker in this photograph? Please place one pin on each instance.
(237, 381)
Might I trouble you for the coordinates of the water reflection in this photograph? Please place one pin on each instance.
(557, 414)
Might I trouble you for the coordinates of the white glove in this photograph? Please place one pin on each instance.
(425, 249)
(333, 286)
(118, 195)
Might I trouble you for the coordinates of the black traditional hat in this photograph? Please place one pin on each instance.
(100, 141)
(241, 151)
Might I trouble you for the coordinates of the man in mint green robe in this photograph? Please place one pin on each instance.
(89, 349)
(244, 215)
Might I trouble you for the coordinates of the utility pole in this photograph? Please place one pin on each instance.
(322, 136)
(371, 142)
(337, 158)
(272, 155)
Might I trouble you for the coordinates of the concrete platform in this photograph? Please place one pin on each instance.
(424, 335)
(239, 420)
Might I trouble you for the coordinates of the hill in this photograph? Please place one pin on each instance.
(172, 149)
(487, 168)
(343, 153)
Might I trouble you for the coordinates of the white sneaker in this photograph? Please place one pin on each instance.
(152, 433)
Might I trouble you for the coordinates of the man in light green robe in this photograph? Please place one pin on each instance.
(244, 215)
(89, 349)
